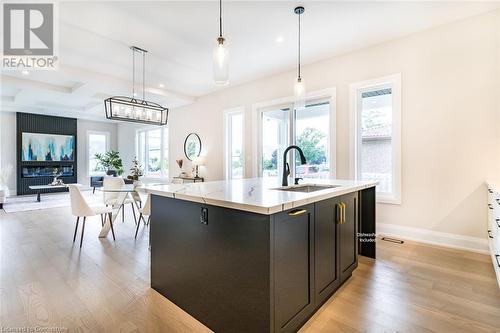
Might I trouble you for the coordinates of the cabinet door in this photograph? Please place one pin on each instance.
(325, 249)
(347, 236)
(293, 262)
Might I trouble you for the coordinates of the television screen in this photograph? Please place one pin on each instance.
(47, 147)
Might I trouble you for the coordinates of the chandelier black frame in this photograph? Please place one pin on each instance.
(132, 109)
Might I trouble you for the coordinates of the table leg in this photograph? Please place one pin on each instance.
(107, 226)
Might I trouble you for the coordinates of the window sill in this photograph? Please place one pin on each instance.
(388, 199)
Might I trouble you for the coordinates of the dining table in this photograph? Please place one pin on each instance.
(123, 192)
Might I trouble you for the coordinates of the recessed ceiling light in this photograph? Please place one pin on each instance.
(162, 85)
(280, 39)
(25, 72)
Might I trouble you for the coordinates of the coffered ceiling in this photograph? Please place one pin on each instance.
(95, 61)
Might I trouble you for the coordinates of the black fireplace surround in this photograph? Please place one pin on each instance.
(41, 172)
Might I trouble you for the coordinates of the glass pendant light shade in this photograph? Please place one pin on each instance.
(299, 91)
(221, 62)
(299, 88)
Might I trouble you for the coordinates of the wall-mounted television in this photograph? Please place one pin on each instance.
(47, 147)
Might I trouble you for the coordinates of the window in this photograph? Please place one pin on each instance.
(152, 151)
(234, 146)
(97, 143)
(308, 128)
(378, 135)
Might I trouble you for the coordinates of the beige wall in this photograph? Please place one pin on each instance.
(450, 113)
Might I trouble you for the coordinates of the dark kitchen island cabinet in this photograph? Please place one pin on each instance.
(241, 271)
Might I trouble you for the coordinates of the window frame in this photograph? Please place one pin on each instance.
(164, 174)
(227, 147)
(356, 89)
(326, 95)
(87, 152)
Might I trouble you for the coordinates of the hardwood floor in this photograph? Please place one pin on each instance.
(46, 280)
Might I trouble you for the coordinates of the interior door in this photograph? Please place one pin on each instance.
(274, 138)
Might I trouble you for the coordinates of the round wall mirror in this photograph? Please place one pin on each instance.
(192, 146)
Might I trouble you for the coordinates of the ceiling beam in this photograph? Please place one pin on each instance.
(27, 83)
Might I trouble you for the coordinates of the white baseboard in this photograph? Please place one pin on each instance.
(455, 241)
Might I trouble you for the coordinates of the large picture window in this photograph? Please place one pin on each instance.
(308, 127)
(97, 143)
(152, 151)
(378, 135)
(234, 144)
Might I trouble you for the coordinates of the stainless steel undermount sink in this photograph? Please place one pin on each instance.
(306, 188)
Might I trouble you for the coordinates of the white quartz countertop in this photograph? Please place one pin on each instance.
(258, 195)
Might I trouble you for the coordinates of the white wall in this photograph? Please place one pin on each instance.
(126, 143)
(450, 112)
(8, 144)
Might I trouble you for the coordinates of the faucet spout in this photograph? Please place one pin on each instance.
(286, 166)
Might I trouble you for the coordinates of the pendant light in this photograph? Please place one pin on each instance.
(221, 55)
(132, 109)
(299, 87)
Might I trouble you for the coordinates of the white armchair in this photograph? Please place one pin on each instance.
(4, 193)
(4, 190)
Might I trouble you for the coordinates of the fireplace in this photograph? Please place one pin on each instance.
(45, 143)
(47, 171)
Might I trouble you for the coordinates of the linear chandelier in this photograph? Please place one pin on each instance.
(132, 109)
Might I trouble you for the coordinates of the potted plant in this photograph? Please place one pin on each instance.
(135, 170)
(110, 161)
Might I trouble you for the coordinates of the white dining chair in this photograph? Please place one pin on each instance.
(135, 196)
(111, 198)
(80, 208)
(145, 210)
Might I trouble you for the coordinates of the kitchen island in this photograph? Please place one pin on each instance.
(251, 256)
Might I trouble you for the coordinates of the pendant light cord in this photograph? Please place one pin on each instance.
(143, 76)
(143, 52)
(220, 18)
(133, 73)
(299, 48)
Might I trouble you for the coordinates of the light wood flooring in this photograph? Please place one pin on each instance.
(47, 281)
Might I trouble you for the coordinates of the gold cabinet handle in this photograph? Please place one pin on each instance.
(341, 214)
(338, 212)
(338, 207)
(297, 212)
